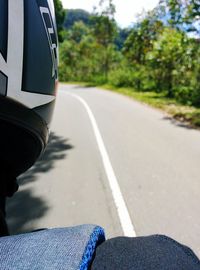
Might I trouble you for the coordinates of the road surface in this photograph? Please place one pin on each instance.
(155, 161)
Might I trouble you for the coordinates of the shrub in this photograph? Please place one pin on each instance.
(120, 77)
(183, 94)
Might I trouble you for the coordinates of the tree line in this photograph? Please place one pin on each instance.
(160, 52)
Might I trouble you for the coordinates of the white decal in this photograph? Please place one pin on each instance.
(13, 67)
(50, 33)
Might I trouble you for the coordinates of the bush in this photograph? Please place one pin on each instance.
(138, 77)
(121, 77)
(98, 79)
(183, 94)
(196, 96)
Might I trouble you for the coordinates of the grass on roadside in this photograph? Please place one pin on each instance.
(183, 113)
(188, 114)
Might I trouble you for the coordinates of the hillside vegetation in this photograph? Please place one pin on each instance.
(160, 53)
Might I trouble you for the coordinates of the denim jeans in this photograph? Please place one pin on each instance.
(54, 249)
(84, 247)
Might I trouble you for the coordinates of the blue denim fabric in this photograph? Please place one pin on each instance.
(64, 248)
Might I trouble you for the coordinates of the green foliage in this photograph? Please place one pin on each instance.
(89, 52)
(104, 30)
(78, 32)
(82, 58)
(165, 57)
(156, 54)
(121, 77)
(60, 16)
(76, 15)
(89, 19)
(175, 11)
(121, 37)
(192, 11)
(139, 41)
(137, 77)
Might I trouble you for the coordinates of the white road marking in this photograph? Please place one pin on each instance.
(124, 216)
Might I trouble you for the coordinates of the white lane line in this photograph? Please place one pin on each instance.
(124, 216)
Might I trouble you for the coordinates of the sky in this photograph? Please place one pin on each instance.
(126, 10)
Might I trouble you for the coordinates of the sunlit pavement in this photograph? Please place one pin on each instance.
(155, 161)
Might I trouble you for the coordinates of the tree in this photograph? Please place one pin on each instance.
(121, 37)
(192, 16)
(172, 11)
(157, 53)
(175, 12)
(166, 58)
(104, 25)
(77, 32)
(80, 56)
(76, 15)
(105, 30)
(140, 39)
(139, 43)
(72, 55)
(60, 16)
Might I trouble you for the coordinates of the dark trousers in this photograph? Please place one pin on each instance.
(155, 252)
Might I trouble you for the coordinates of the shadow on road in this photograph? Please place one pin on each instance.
(56, 150)
(86, 86)
(25, 207)
(178, 123)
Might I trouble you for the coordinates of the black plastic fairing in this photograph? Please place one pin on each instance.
(37, 63)
(23, 137)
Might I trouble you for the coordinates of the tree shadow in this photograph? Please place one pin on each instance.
(25, 208)
(56, 150)
(85, 86)
(179, 123)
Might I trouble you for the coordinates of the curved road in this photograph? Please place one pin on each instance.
(155, 161)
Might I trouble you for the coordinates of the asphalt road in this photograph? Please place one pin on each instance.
(154, 159)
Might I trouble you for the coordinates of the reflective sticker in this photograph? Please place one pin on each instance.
(3, 28)
(21, 56)
(3, 45)
(51, 35)
(39, 65)
(3, 84)
(12, 65)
